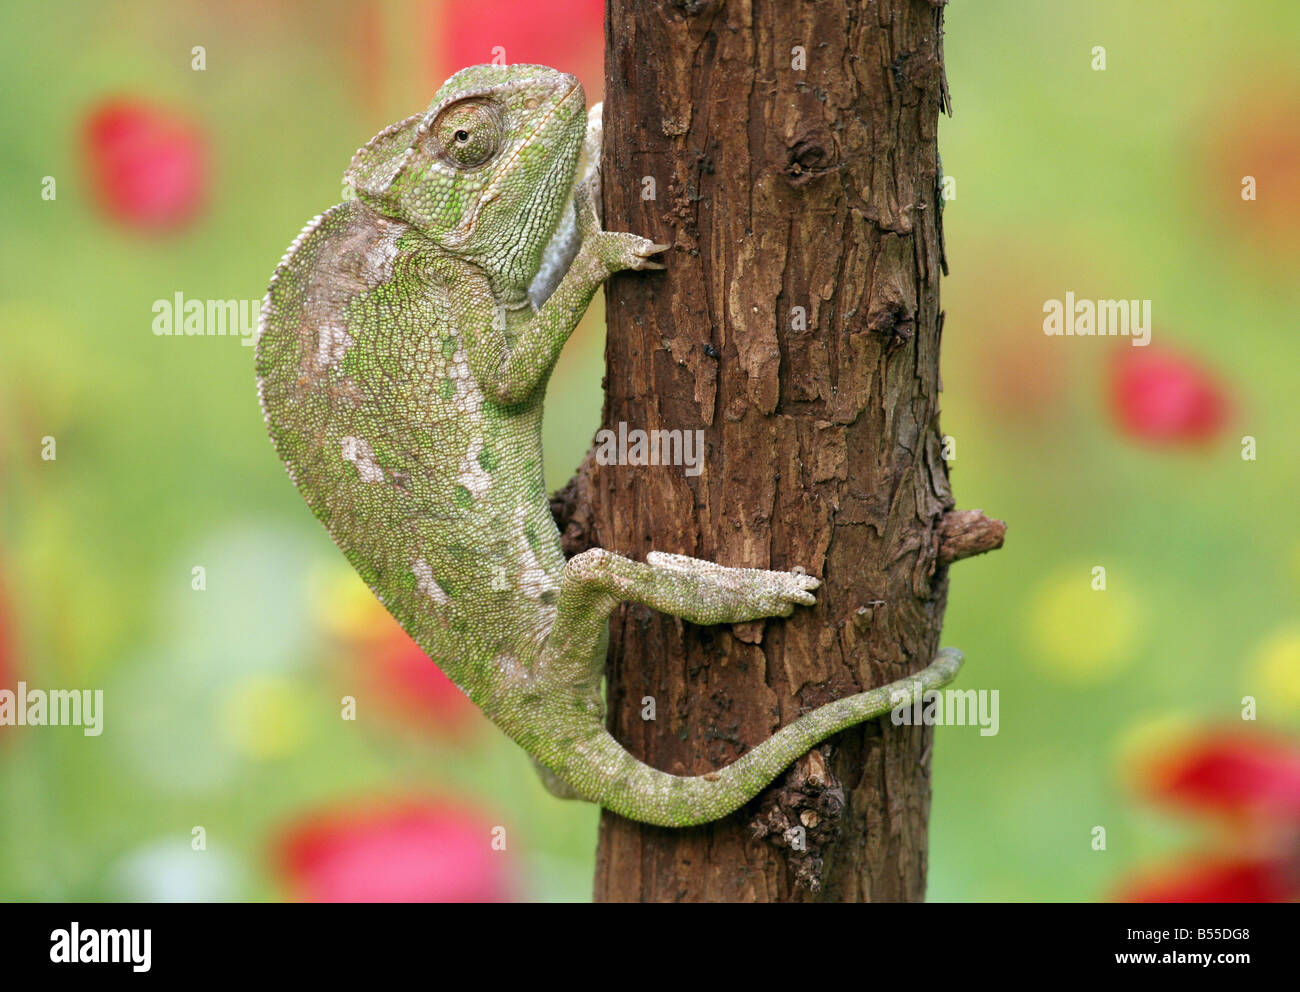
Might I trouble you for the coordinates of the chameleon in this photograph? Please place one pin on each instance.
(403, 351)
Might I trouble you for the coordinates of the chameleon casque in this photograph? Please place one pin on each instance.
(403, 352)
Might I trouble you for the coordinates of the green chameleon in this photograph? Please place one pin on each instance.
(403, 353)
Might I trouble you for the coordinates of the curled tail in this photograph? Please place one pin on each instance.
(603, 771)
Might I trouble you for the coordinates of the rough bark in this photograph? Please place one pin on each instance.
(778, 188)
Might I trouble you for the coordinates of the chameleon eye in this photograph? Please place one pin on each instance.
(468, 133)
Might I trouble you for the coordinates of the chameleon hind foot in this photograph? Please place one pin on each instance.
(756, 592)
(596, 581)
(702, 592)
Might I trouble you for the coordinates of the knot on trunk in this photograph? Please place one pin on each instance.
(802, 815)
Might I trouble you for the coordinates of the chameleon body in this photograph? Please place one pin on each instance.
(403, 353)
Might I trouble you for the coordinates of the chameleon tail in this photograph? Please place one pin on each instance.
(613, 778)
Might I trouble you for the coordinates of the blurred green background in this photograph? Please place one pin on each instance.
(223, 703)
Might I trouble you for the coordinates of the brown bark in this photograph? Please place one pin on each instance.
(777, 188)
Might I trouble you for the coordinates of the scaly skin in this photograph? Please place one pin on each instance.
(401, 368)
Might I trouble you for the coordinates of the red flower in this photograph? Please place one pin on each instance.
(1250, 782)
(411, 686)
(1231, 773)
(396, 851)
(1224, 881)
(564, 34)
(387, 666)
(1257, 137)
(1163, 398)
(148, 166)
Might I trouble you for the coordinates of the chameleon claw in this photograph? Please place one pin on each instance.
(643, 254)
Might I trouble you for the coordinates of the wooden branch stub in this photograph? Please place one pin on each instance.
(965, 533)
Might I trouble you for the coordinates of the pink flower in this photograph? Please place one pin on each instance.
(1160, 397)
(148, 166)
(412, 850)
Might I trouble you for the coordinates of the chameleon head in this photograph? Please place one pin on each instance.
(487, 170)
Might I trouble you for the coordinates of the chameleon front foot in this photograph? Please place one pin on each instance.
(616, 251)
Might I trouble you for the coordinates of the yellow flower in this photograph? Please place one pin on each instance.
(346, 608)
(1081, 633)
(1276, 674)
(264, 716)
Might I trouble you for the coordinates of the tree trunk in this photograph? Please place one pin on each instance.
(787, 152)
